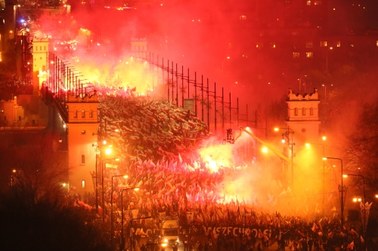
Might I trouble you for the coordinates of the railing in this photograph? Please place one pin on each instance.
(184, 88)
(196, 93)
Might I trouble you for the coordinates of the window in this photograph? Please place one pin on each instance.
(83, 114)
(82, 183)
(309, 54)
(309, 44)
(82, 159)
(338, 44)
(75, 114)
(311, 111)
(323, 43)
(295, 111)
(242, 17)
(304, 111)
(91, 114)
(296, 54)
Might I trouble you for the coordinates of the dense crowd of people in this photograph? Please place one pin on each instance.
(186, 193)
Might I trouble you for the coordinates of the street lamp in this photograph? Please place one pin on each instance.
(364, 206)
(98, 163)
(122, 228)
(108, 153)
(363, 184)
(341, 187)
(290, 142)
(111, 205)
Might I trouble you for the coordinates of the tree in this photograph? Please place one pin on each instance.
(45, 220)
(361, 154)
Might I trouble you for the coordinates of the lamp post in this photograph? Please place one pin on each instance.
(364, 207)
(341, 188)
(99, 168)
(122, 228)
(108, 153)
(324, 139)
(290, 142)
(363, 184)
(111, 206)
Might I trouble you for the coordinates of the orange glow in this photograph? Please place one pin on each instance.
(264, 149)
(108, 151)
(217, 156)
(125, 73)
(356, 199)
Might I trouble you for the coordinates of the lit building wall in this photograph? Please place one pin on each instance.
(303, 116)
(82, 129)
(40, 54)
(11, 114)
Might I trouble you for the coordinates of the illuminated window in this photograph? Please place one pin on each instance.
(309, 54)
(323, 43)
(82, 183)
(308, 2)
(376, 43)
(338, 44)
(296, 54)
(82, 159)
(309, 44)
(242, 17)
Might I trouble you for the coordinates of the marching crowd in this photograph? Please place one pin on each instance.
(171, 190)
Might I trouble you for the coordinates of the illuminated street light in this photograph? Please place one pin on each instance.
(111, 205)
(105, 152)
(287, 139)
(324, 138)
(363, 183)
(356, 199)
(264, 150)
(341, 187)
(122, 228)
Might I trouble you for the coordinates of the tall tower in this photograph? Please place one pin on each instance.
(303, 116)
(40, 61)
(82, 129)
